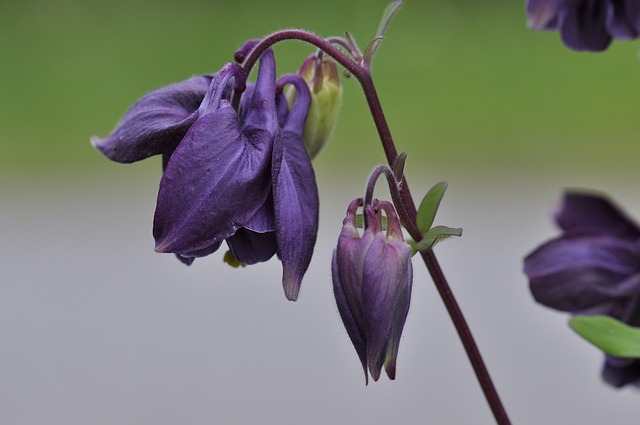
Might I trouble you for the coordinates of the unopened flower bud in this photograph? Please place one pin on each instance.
(321, 75)
(372, 277)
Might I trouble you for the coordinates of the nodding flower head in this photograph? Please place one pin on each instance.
(593, 267)
(372, 278)
(240, 176)
(586, 24)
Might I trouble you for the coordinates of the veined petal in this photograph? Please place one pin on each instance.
(219, 176)
(216, 181)
(295, 197)
(384, 281)
(578, 272)
(156, 123)
(350, 323)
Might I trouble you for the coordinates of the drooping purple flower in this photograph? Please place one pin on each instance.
(372, 278)
(240, 176)
(586, 24)
(593, 267)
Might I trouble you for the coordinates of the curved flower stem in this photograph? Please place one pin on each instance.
(408, 212)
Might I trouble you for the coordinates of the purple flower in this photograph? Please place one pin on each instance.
(237, 176)
(593, 267)
(372, 277)
(586, 24)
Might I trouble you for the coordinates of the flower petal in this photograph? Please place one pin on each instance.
(542, 14)
(384, 282)
(582, 26)
(250, 247)
(623, 19)
(592, 213)
(578, 272)
(156, 123)
(349, 321)
(215, 182)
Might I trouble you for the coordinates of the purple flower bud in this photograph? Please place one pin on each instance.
(372, 278)
(586, 24)
(594, 267)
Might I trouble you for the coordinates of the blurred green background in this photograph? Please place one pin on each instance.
(464, 83)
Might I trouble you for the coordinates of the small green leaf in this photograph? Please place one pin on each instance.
(433, 236)
(398, 166)
(371, 49)
(429, 206)
(387, 16)
(608, 334)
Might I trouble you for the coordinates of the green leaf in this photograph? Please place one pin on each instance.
(429, 206)
(398, 166)
(608, 334)
(433, 236)
(371, 49)
(387, 16)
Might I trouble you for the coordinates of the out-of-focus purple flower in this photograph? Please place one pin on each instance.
(242, 177)
(372, 278)
(586, 24)
(593, 267)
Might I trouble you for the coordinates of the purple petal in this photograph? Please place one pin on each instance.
(354, 329)
(251, 247)
(542, 14)
(384, 282)
(295, 197)
(156, 123)
(216, 181)
(578, 272)
(397, 325)
(582, 26)
(261, 113)
(623, 19)
(619, 372)
(592, 213)
(296, 204)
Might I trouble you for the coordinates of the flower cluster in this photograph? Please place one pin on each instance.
(587, 24)
(241, 176)
(372, 278)
(592, 268)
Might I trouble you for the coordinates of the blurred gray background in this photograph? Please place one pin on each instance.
(96, 328)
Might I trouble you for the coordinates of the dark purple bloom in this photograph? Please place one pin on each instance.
(587, 24)
(372, 278)
(237, 176)
(593, 267)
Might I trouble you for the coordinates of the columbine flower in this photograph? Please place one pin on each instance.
(240, 177)
(586, 24)
(372, 277)
(593, 267)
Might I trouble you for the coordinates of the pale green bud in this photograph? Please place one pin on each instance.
(321, 75)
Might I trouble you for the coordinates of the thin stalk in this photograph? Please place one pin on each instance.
(361, 72)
